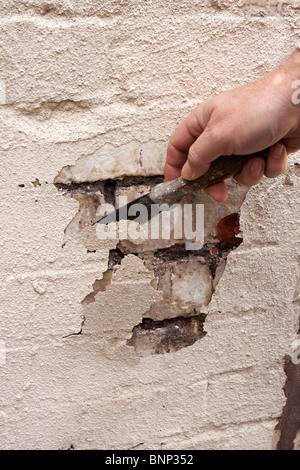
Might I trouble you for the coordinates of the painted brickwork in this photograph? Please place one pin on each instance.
(90, 93)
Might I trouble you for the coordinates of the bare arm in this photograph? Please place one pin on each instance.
(244, 120)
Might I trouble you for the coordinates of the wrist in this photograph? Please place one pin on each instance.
(285, 83)
(295, 68)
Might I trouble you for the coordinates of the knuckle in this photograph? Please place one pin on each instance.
(221, 139)
(193, 157)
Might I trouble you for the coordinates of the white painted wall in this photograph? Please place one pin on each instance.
(75, 78)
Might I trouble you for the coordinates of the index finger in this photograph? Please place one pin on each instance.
(184, 136)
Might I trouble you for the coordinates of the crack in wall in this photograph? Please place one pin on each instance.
(108, 187)
(183, 322)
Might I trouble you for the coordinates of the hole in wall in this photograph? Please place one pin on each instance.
(166, 336)
(36, 182)
(185, 279)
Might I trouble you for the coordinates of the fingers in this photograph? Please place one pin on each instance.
(277, 161)
(172, 172)
(195, 144)
(182, 139)
(218, 191)
(200, 139)
(209, 146)
(252, 172)
(251, 175)
(256, 168)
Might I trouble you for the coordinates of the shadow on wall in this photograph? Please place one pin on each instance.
(288, 428)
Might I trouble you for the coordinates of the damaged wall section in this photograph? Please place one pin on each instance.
(185, 279)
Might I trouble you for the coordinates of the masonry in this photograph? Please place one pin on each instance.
(126, 345)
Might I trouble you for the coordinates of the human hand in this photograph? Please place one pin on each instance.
(244, 120)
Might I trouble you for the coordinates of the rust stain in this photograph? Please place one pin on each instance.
(214, 250)
(228, 228)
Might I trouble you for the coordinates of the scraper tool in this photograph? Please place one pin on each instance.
(171, 192)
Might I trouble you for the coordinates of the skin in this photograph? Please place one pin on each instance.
(244, 120)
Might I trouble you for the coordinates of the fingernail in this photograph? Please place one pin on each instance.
(257, 168)
(187, 173)
(279, 151)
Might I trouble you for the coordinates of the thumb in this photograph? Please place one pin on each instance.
(202, 152)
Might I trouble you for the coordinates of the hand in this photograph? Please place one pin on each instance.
(240, 121)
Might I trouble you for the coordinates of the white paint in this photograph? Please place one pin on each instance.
(112, 75)
(109, 161)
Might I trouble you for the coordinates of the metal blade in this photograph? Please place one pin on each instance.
(124, 213)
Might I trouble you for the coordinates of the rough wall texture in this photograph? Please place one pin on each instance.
(135, 345)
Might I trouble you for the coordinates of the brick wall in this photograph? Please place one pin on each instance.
(117, 344)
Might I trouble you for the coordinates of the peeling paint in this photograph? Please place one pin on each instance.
(185, 279)
(115, 162)
(115, 258)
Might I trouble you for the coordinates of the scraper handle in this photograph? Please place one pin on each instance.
(220, 169)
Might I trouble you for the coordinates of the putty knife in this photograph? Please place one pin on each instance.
(172, 192)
